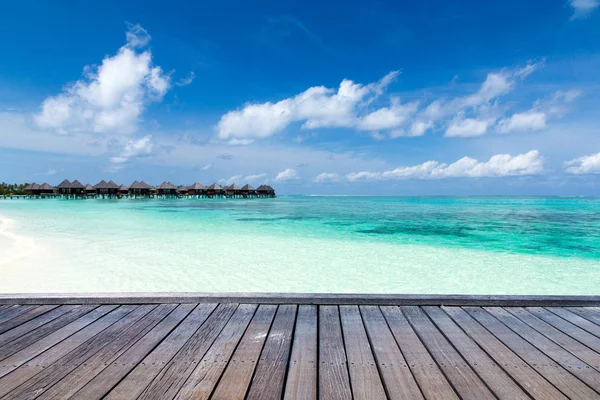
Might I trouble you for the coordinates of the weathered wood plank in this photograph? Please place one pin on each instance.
(238, 374)
(567, 342)
(462, 377)
(269, 376)
(204, 378)
(40, 329)
(575, 319)
(528, 378)
(27, 327)
(171, 378)
(82, 374)
(54, 372)
(334, 380)
(301, 381)
(562, 379)
(593, 342)
(567, 360)
(432, 382)
(23, 318)
(55, 353)
(138, 379)
(364, 374)
(589, 313)
(21, 357)
(501, 384)
(14, 311)
(104, 381)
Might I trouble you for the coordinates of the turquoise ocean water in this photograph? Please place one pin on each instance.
(476, 245)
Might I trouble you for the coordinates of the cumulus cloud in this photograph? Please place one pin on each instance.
(350, 106)
(468, 127)
(242, 180)
(553, 106)
(133, 148)
(584, 165)
(327, 177)
(583, 8)
(187, 80)
(206, 167)
(254, 178)
(316, 107)
(286, 175)
(497, 166)
(109, 98)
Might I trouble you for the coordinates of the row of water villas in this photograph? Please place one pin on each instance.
(76, 190)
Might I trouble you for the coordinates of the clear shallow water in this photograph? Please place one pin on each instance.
(474, 245)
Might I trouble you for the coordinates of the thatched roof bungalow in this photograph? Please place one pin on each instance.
(196, 189)
(182, 190)
(107, 188)
(232, 190)
(248, 190)
(166, 188)
(265, 190)
(123, 190)
(89, 189)
(140, 188)
(45, 188)
(67, 188)
(214, 190)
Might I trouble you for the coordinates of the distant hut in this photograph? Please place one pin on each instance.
(123, 190)
(140, 189)
(182, 190)
(64, 187)
(31, 189)
(248, 191)
(45, 190)
(166, 189)
(265, 191)
(232, 190)
(89, 190)
(78, 187)
(197, 189)
(214, 190)
(109, 189)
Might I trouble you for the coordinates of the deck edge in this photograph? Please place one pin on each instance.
(299, 298)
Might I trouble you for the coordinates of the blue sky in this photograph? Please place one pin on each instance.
(429, 97)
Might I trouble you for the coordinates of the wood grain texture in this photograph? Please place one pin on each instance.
(201, 383)
(334, 380)
(528, 378)
(269, 377)
(562, 379)
(364, 374)
(22, 318)
(575, 319)
(302, 380)
(146, 371)
(431, 380)
(457, 370)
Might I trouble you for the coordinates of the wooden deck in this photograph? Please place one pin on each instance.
(295, 350)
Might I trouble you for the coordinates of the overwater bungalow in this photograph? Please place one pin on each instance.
(71, 189)
(197, 189)
(182, 190)
(247, 191)
(232, 190)
(265, 191)
(166, 189)
(214, 190)
(31, 188)
(123, 190)
(45, 189)
(107, 189)
(141, 189)
(89, 190)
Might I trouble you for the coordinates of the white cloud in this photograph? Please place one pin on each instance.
(111, 97)
(497, 166)
(553, 106)
(521, 122)
(286, 175)
(206, 167)
(468, 127)
(254, 178)
(187, 80)
(317, 107)
(388, 117)
(233, 179)
(584, 165)
(327, 177)
(583, 8)
(134, 148)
